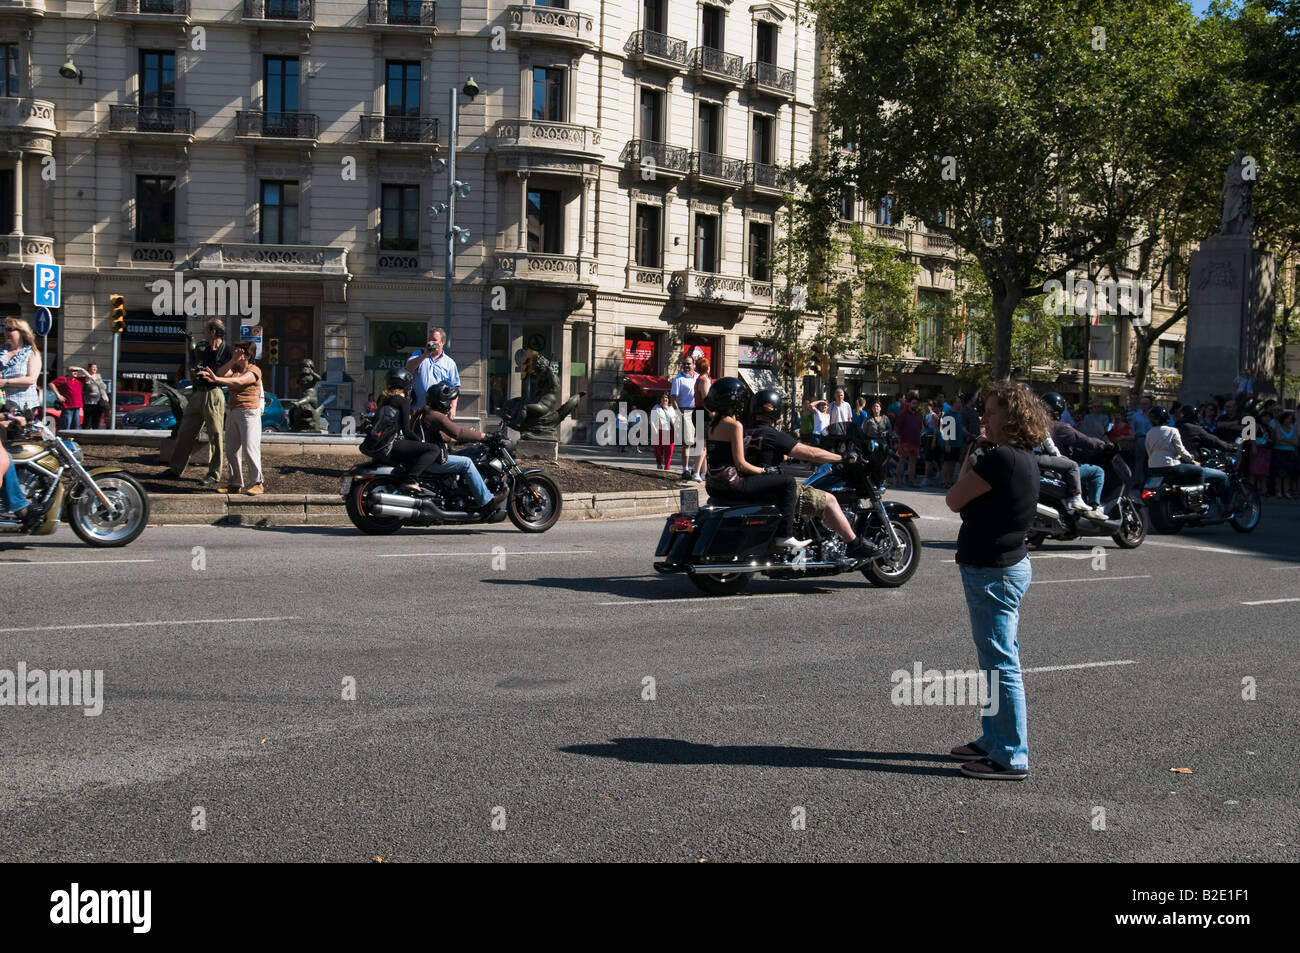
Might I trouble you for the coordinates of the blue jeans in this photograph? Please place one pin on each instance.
(464, 466)
(11, 496)
(993, 599)
(1219, 479)
(1093, 478)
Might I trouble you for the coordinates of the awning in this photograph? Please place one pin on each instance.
(648, 383)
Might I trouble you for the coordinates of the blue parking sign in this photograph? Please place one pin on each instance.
(47, 287)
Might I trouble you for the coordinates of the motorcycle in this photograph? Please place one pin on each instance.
(105, 506)
(722, 546)
(1177, 502)
(378, 500)
(1125, 520)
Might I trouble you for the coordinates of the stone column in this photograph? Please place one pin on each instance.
(18, 194)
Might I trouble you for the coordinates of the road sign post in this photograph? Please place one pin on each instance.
(44, 321)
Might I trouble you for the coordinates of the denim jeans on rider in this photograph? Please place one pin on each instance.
(1219, 479)
(12, 498)
(993, 598)
(1093, 478)
(465, 467)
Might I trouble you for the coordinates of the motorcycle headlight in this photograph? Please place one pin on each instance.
(74, 448)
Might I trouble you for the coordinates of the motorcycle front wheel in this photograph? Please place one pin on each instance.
(890, 572)
(1133, 526)
(98, 525)
(361, 517)
(535, 503)
(1246, 519)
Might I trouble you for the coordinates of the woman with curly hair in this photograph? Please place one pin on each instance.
(996, 496)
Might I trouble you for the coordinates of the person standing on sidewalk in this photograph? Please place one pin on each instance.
(243, 380)
(664, 421)
(433, 365)
(206, 406)
(997, 496)
(69, 388)
(702, 384)
(683, 398)
(94, 396)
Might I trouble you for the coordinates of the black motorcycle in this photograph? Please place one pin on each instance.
(379, 500)
(1125, 520)
(1179, 500)
(723, 545)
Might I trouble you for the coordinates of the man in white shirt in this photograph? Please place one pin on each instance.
(841, 412)
(431, 366)
(683, 396)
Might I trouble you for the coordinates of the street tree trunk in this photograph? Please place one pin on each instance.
(1005, 302)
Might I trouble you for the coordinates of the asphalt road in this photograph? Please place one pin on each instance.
(499, 683)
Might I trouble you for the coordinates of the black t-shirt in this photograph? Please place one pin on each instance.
(205, 355)
(993, 525)
(765, 446)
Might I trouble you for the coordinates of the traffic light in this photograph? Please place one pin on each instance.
(117, 313)
(273, 350)
(817, 360)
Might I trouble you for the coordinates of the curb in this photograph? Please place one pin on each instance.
(326, 509)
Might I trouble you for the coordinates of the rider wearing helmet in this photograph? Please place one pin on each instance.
(434, 424)
(411, 448)
(1196, 438)
(730, 473)
(1074, 444)
(766, 446)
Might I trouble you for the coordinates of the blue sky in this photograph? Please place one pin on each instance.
(1199, 6)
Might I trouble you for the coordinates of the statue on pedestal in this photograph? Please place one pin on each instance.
(537, 416)
(1238, 219)
(304, 413)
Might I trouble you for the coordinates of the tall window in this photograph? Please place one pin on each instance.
(280, 87)
(399, 218)
(402, 90)
(930, 325)
(548, 94)
(279, 213)
(844, 307)
(6, 201)
(653, 16)
(1170, 356)
(765, 43)
(155, 208)
(847, 205)
(281, 9)
(710, 127)
(760, 251)
(652, 114)
(157, 91)
(9, 57)
(763, 137)
(885, 214)
(648, 244)
(706, 243)
(545, 222)
(711, 24)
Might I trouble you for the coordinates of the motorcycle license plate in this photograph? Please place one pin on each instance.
(1153, 482)
(345, 486)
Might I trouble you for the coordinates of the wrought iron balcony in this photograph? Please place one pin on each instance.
(709, 169)
(273, 125)
(291, 11)
(29, 115)
(163, 8)
(551, 23)
(649, 48)
(770, 79)
(151, 119)
(648, 159)
(410, 129)
(418, 13)
(764, 179)
(559, 270)
(275, 259)
(716, 65)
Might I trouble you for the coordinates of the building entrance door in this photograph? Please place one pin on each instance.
(295, 331)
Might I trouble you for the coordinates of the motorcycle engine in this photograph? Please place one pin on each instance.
(35, 483)
(831, 550)
(1194, 498)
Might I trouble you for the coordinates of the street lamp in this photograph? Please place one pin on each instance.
(455, 188)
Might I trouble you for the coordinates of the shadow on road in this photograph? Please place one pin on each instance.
(673, 751)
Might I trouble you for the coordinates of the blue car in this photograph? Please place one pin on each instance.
(157, 415)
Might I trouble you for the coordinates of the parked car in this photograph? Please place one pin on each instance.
(158, 415)
(127, 401)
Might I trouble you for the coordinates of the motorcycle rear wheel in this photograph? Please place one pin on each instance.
(91, 521)
(1161, 518)
(361, 517)
(724, 585)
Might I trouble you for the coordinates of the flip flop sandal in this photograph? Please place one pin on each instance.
(988, 770)
(970, 752)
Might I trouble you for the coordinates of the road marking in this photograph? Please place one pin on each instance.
(530, 552)
(677, 602)
(1064, 668)
(941, 519)
(68, 562)
(1087, 555)
(1200, 549)
(131, 625)
(1270, 602)
(1280, 568)
(1100, 577)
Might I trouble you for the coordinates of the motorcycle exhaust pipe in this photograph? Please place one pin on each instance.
(408, 507)
(762, 567)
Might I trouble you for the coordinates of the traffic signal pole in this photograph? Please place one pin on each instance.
(112, 398)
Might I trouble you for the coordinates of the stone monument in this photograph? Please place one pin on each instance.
(1230, 298)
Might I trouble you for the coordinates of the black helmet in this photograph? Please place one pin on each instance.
(1187, 414)
(400, 377)
(440, 395)
(1159, 416)
(1054, 403)
(728, 395)
(767, 403)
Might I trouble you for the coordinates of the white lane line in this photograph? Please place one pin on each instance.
(677, 602)
(132, 625)
(941, 519)
(530, 552)
(1064, 668)
(1087, 555)
(1200, 549)
(1270, 602)
(1100, 577)
(1280, 568)
(68, 562)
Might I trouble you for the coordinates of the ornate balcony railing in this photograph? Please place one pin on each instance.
(28, 114)
(172, 8)
(558, 269)
(552, 23)
(706, 165)
(402, 13)
(768, 77)
(305, 259)
(761, 176)
(299, 11)
(649, 158)
(423, 129)
(727, 67)
(938, 241)
(657, 46)
(536, 134)
(399, 260)
(708, 286)
(276, 125)
(26, 249)
(153, 119)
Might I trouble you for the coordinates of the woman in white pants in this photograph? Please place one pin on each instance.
(243, 381)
